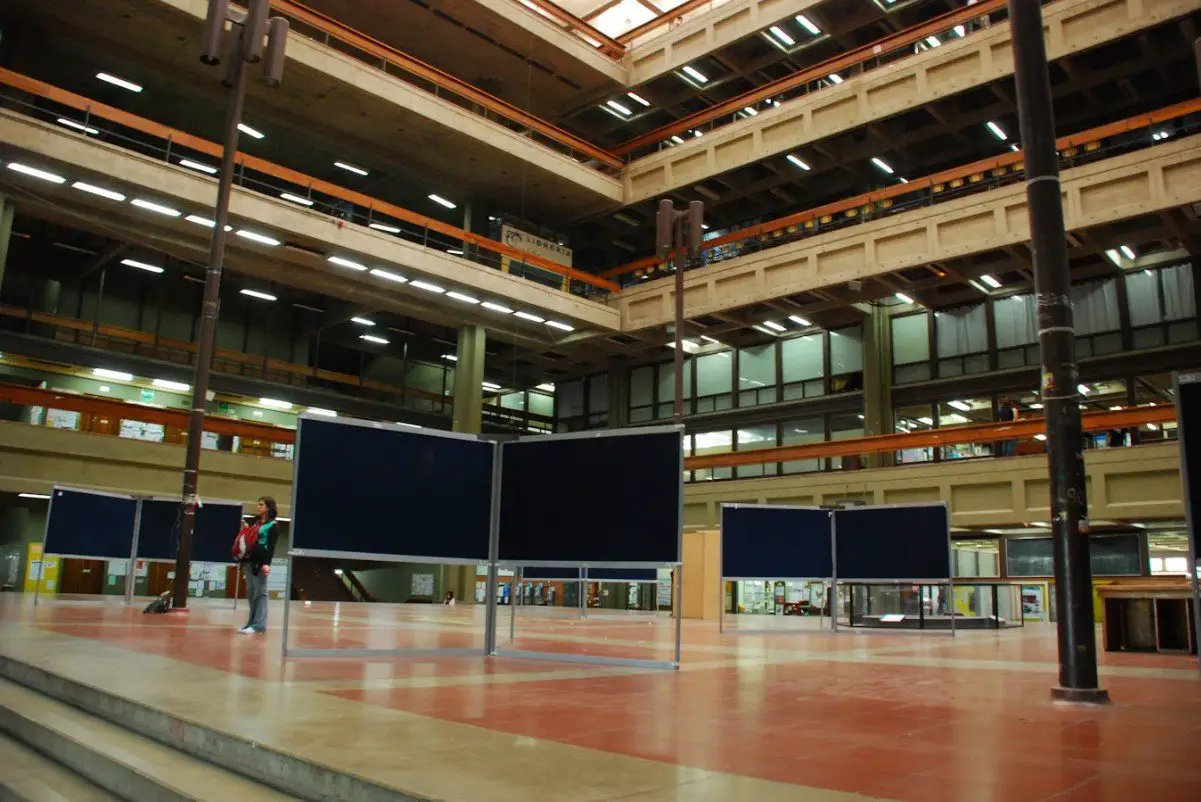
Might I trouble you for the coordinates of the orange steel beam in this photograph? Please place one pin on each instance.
(849, 59)
(949, 435)
(88, 404)
(661, 20)
(91, 107)
(611, 47)
(441, 79)
(1007, 159)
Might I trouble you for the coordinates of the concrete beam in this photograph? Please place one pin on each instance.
(978, 59)
(1148, 181)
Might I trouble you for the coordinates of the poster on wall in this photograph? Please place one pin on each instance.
(538, 246)
(1032, 602)
(34, 568)
(423, 585)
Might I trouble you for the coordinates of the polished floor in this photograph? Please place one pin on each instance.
(809, 717)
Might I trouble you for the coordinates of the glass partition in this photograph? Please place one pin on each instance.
(971, 605)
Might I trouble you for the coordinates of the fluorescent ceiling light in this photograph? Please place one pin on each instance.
(903, 180)
(121, 82)
(441, 201)
(141, 265)
(458, 296)
(977, 285)
(362, 321)
(748, 110)
(883, 165)
(834, 78)
(546, 388)
(77, 126)
(554, 324)
(450, 357)
(325, 413)
(371, 338)
(341, 262)
(1083, 389)
(695, 74)
(677, 139)
(33, 495)
(933, 41)
(34, 172)
(990, 281)
(384, 274)
(637, 98)
(1114, 256)
(454, 251)
(613, 104)
(1036, 405)
(709, 339)
(1115, 409)
(288, 196)
(350, 168)
(263, 296)
(201, 221)
(799, 162)
(262, 239)
(384, 228)
(1129, 252)
(764, 330)
(926, 421)
(773, 325)
(998, 132)
(903, 298)
(504, 310)
(101, 191)
(275, 403)
(115, 375)
(530, 317)
(425, 285)
(158, 208)
(1014, 148)
(1040, 436)
(167, 384)
(204, 168)
(962, 406)
(800, 321)
(782, 35)
(490, 386)
(251, 132)
(808, 25)
(960, 31)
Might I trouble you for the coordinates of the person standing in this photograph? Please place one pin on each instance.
(257, 565)
(1007, 413)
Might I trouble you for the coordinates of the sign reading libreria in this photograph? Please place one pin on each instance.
(538, 246)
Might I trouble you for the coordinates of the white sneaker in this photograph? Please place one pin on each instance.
(245, 631)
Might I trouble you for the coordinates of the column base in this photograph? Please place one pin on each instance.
(1080, 696)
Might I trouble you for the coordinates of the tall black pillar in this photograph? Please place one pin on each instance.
(1057, 346)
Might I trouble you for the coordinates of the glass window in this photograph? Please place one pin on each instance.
(802, 357)
(598, 394)
(1095, 307)
(542, 404)
(513, 401)
(910, 339)
(846, 350)
(962, 411)
(961, 331)
(757, 375)
(667, 387)
(1179, 299)
(914, 419)
(800, 432)
(714, 374)
(1016, 320)
(845, 427)
(751, 438)
(570, 399)
(720, 442)
(1142, 293)
(642, 393)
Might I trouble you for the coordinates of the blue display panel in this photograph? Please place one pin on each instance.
(212, 536)
(380, 490)
(552, 511)
(550, 572)
(90, 525)
(893, 543)
(776, 543)
(623, 575)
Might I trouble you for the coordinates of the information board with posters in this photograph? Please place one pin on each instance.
(538, 246)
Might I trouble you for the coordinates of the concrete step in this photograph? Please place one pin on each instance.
(126, 765)
(26, 776)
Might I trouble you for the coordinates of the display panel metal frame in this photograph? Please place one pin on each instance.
(948, 582)
(135, 559)
(677, 567)
(129, 565)
(832, 595)
(1180, 378)
(490, 619)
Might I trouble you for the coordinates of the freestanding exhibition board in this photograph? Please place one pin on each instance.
(89, 525)
(382, 492)
(217, 522)
(1188, 422)
(772, 543)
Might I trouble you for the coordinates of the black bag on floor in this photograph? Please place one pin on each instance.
(160, 605)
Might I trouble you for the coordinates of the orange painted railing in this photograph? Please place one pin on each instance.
(1003, 162)
(852, 58)
(444, 81)
(948, 435)
(606, 44)
(174, 136)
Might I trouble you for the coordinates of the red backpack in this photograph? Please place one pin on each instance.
(245, 542)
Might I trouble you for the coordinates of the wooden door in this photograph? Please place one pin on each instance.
(156, 576)
(81, 576)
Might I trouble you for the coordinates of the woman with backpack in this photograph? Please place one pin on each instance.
(254, 548)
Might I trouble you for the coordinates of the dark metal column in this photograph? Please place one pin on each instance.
(1057, 345)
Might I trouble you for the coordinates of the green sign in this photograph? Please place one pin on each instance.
(147, 395)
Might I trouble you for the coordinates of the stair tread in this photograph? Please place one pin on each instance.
(30, 776)
(170, 767)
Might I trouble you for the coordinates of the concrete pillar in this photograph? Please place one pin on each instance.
(7, 208)
(619, 399)
(468, 418)
(877, 380)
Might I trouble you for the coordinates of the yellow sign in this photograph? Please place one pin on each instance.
(34, 568)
